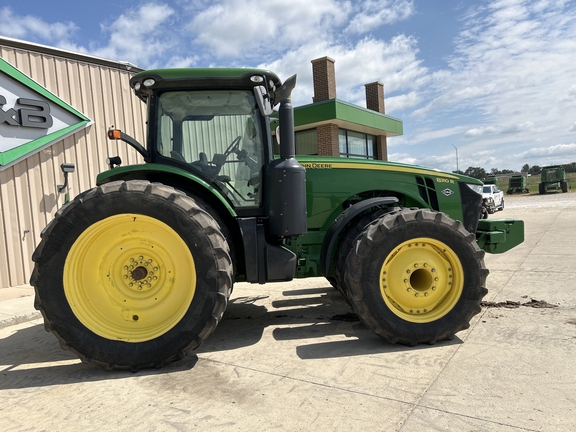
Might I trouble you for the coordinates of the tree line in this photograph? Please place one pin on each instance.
(481, 173)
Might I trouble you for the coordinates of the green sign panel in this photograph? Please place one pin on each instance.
(31, 117)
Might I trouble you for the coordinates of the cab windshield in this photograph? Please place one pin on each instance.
(217, 133)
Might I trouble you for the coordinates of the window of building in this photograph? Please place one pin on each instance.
(356, 144)
(306, 143)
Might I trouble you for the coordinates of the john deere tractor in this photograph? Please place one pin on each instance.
(137, 271)
(552, 178)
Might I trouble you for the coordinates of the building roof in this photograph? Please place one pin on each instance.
(58, 52)
(346, 116)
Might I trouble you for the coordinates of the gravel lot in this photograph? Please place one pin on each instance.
(548, 201)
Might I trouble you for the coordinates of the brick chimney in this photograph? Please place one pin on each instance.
(375, 96)
(324, 78)
(375, 102)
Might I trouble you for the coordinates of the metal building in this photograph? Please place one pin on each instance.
(55, 108)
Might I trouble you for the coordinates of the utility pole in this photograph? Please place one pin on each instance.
(456, 148)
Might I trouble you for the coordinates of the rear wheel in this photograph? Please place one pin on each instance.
(132, 275)
(416, 277)
(564, 186)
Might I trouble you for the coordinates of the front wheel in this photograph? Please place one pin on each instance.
(131, 275)
(416, 277)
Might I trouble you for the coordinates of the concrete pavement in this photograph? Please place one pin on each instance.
(291, 356)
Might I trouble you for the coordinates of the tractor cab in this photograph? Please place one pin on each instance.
(217, 134)
(213, 123)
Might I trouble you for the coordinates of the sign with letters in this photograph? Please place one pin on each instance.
(31, 117)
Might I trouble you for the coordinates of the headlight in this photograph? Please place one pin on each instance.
(475, 187)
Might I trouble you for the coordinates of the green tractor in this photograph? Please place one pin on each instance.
(553, 178)
(137, 271)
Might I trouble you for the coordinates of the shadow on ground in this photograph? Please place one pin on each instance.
(315, 317)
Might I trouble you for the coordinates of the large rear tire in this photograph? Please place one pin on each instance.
(132, 275)
(416, 277)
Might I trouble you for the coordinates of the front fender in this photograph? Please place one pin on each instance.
(341, 221)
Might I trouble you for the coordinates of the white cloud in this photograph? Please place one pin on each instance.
(33, 28)
(512, 76)
(511, 60)
(138, 35)
(375, 13)
(252, 28)
(393, 63)
(403, 101)
(402, 158)
(558, 150)
(432, 134)
(518, 128)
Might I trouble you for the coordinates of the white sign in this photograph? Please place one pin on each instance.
(31, 117)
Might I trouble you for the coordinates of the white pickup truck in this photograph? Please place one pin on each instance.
(492, 191)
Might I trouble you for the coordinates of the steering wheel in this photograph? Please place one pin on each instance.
(234, 146)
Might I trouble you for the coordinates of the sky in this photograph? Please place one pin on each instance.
(477, 83)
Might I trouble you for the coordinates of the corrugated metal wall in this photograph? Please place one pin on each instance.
(28, 189)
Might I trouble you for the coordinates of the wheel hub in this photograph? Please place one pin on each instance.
(140, 273)
(417, 280)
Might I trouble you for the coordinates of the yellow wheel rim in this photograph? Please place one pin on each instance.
(129, 277)
(421, 280)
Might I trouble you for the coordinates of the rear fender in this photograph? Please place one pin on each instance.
(169, 175)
